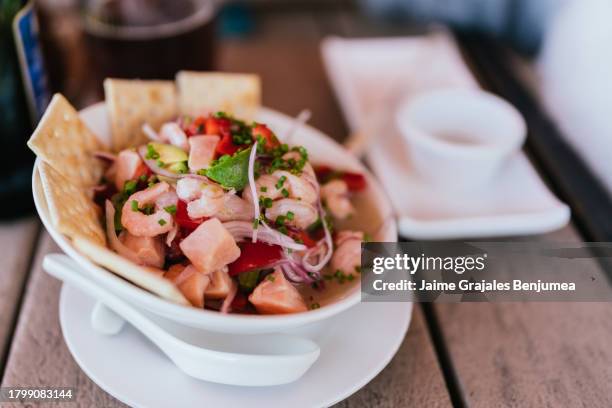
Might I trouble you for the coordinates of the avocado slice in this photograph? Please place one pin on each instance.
(167, 153)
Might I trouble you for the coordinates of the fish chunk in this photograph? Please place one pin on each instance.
(149, 250)
(210, 246)
(276, 295)
(202, 151)
(191, 282)
(128, 166)
(220, 285)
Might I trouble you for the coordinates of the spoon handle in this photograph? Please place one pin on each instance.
(65, 269)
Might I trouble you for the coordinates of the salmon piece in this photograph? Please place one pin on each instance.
(191, 282)
(174, 271)
(210, 246)
(220, 285)
(149, 250)
(276, 295)
(128, 166)
(202, 151)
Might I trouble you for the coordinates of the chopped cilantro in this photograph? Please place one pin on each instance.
(129, 187)
(151, 152)
(134, 205)
(171, 209)
(264, 189)
(285, 193)
(161, 222)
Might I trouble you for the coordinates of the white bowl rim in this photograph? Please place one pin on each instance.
(412, 134)
(201, 317)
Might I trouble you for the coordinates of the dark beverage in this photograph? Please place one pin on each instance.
(149, 39)
(24, 96)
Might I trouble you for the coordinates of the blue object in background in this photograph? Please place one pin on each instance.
(521, 22)
(235, 20)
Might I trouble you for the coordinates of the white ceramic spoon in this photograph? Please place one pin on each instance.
(247, 360)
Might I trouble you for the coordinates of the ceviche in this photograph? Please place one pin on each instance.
(236, 219)
(195, 204)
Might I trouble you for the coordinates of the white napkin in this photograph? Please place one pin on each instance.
(390, 69)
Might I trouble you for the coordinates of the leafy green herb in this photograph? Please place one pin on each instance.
(231, 171)
(129, 187)
(171, 209)
(290, 215)
(264, 189)
(285, 193)
(134, 205)
(255, 223)
(151, 152)
(248, 280)
(280, 182)
(161, 222)
(265, 202)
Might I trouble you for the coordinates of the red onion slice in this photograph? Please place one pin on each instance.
(227, 302)
(244, 229)
(150, 133)
(105, 156)
(253, 188)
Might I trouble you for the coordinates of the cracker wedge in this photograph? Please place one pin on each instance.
(62, 140)
(72, 212)
(147, 278)
(131, 103)
(206, 92)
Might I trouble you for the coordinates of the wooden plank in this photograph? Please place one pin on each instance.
(289, 63)
(530, 354)
(413, 378)
(17, 239)
(39, 357)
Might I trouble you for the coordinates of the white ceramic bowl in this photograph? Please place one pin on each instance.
(372, 205)
(459, 138)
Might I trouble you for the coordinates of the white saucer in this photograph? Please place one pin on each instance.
(517, 203)
(131, 369)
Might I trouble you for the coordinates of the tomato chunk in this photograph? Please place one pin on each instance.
(226, 146)
(262, 131)
(354, 181)
(254, 256)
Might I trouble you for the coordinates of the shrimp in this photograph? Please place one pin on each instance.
(272, 185)
(335, 194)
(265, 186)
(140, 224)
(347, 256)
(211, 200)
(303, 214)
(299, 187)
(235, 209)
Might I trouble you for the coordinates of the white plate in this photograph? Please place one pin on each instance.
(516, 203)
(355, 346)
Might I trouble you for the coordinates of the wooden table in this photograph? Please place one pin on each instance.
(477, 355)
